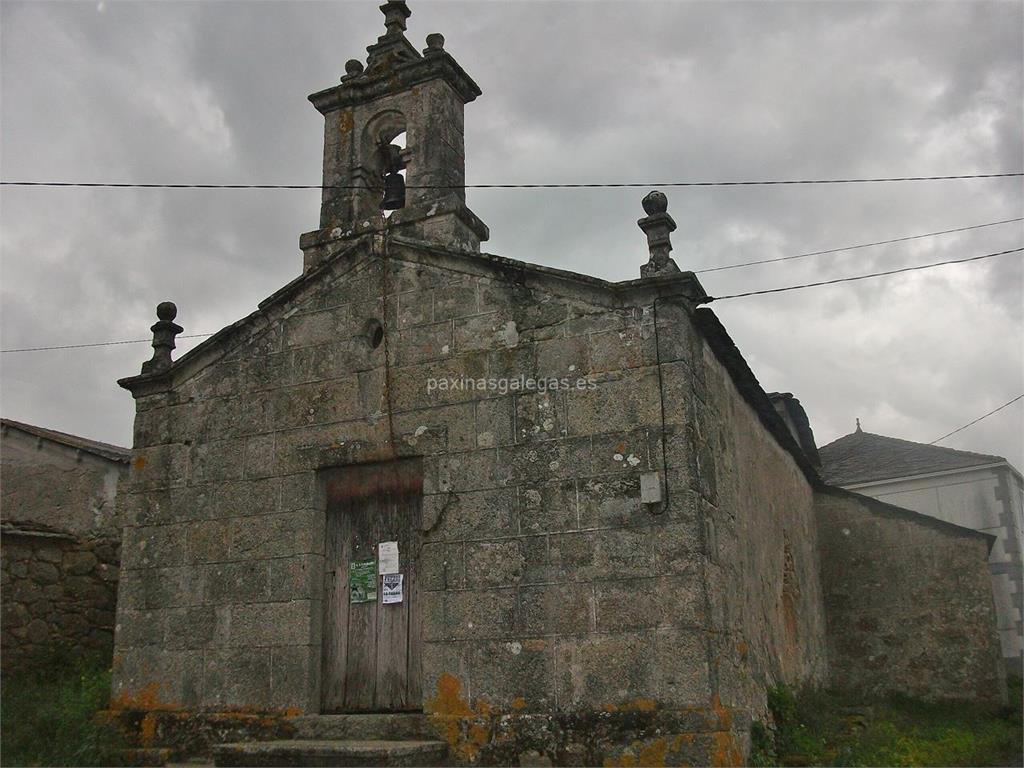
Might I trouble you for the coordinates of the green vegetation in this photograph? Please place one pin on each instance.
(47, 717)
(818, 727)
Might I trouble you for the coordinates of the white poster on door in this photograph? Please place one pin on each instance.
(392, 590)
(387, 557)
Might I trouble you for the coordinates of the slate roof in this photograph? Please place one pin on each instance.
(862, 457)
(104, 450)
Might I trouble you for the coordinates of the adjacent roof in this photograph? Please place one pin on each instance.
(33, 529)
(104, 450)
(862, 457)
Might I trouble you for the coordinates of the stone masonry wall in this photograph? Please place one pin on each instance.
(58, 595)
(549, 586)
(756, 521)
(548, 583)
(908, 601)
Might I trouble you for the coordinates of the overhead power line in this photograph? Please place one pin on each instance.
(972, 423)
(855, 247)
(102, 343)
(708, 300)
(594, 185)
(861, 277)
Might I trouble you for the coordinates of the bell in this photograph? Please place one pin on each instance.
(394, 192)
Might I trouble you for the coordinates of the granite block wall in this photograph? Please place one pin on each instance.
(754, 513)
(549, 586)
(539, 557)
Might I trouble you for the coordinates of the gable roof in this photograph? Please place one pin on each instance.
(103, 450)
(863, 457)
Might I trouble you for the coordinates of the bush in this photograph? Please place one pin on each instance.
(48, 715)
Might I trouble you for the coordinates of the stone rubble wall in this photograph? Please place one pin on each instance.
(909, 602)
(58, 595)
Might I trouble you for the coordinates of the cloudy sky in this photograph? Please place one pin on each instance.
(573, 92)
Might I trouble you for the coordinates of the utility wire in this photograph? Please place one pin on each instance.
(706, 301)
(859, 277)
(597, 185)
(855, 247)
(102, 343)
(972, 423)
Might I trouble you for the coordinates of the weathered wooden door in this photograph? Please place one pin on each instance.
(371, 651)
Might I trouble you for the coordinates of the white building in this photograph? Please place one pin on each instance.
(970, 489)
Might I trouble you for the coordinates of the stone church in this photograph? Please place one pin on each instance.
(427, 503)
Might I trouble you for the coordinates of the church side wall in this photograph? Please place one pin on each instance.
(756, 515)
(909, 603)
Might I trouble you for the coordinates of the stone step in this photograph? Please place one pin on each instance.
(393, 726)
(297, 752)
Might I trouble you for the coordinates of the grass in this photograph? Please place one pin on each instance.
(818, 727)
(47, 716)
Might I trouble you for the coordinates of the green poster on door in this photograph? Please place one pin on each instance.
(362, 581)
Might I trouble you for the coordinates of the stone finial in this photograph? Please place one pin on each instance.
(435, 44)
(353, 68)
(164, 330)
(858, 426)
(395, 13)
(658, 226)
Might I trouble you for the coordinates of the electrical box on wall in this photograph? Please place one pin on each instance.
(650, 488)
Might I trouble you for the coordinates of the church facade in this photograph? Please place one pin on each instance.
(555, 518)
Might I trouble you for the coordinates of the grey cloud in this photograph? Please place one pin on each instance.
(572, 92)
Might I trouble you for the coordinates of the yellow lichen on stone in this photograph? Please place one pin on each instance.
(725, 751)
(680, 740)
(345, 122)
(147, 730)
(146, 698)
(653, 755)
(449, 700)
(640, 755)
(448, 710)
(641, 705)
(724, 713)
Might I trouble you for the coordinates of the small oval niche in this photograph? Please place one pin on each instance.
(373, 332)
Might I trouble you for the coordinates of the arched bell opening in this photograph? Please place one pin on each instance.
(385, 157)
(393, 159)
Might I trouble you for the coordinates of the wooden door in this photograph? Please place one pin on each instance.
(371, 651)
